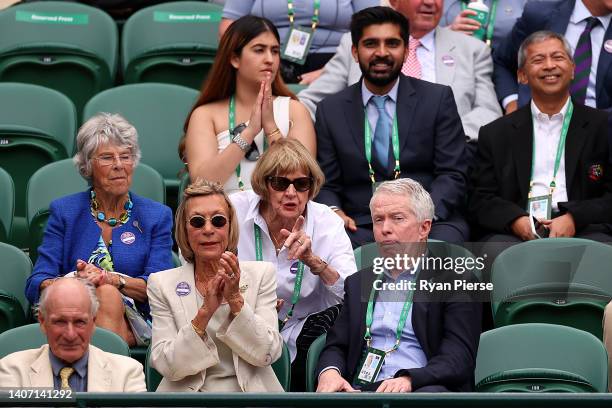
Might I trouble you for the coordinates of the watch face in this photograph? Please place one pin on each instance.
(238, 129)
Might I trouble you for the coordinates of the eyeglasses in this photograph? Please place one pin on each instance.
(301, 184)
(217, 221)
(109, 159)
(253, 153)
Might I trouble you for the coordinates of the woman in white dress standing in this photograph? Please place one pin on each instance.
(243, 108)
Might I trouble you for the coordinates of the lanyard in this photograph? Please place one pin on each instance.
(368, 146)
(298, 276)
(232, 124)
(560, 148)
(402, 320)
(490, 21)
(315, 16)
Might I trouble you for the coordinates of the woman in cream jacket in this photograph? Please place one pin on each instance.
(215, 324)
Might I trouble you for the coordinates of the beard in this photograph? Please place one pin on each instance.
(380, 79)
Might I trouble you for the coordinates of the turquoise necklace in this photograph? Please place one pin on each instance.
(101, 217)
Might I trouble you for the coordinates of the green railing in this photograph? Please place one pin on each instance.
(338, 400)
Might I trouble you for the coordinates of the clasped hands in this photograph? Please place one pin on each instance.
(331, 381)
(225, 285)
(96, 276)
(561, 226)
(262, 113)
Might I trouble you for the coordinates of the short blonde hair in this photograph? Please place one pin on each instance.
(199, 188)
(286, 156)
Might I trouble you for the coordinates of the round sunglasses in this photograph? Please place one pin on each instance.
(301, 184)
(217, 221)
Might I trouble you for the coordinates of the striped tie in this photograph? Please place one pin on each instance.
(412, 66)
(583, 58)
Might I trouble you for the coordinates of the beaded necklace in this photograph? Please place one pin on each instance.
(100, 216)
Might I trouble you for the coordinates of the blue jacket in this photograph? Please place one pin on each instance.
(72, 234)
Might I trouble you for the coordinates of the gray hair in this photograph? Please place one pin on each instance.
(417, 199)
(41, 307)
(538, 37)
(101, 129)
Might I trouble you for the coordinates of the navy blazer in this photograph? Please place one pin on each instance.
(553, 16)
(72, 234)
(432, 144)
(446, 324)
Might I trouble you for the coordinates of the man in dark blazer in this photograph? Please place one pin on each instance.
(437, 348)
(431, 138)
(581, 200)
(563, 17)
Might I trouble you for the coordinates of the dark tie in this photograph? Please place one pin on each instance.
(382, 131)
(583, 58)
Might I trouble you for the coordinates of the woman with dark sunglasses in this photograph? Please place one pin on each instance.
(306, 241)
(243, 108)
(215, 325)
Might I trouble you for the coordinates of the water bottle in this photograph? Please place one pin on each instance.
(482, 16)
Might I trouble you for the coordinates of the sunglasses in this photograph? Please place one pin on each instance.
(217, 221)
(301, 184)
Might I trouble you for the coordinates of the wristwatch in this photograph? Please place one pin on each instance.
(242, 144)
(122, 283)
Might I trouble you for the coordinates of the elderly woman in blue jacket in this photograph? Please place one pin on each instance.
(107, 235)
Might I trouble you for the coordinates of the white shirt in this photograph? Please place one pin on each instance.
(547, 132)
(329, 241)
(426, 54)
(575, 27)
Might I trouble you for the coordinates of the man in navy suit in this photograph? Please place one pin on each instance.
(570, 18)
(428, 338)
(390, 126)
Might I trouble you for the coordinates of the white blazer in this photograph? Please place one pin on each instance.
(106, 372)
(182, 357)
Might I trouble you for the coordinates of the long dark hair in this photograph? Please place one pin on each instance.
(221, 81)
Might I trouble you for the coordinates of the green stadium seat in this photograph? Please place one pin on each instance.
(37, 127)
(44, 188)
(312, 359)
(65, 46)
(158, 112)
(172, 42)
(15, 269)
(282, 369)
(30, 337)
(7, 205)
(296, 88)
(539, 357)
(559, 280)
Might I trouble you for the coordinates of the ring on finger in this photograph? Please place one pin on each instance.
(232, 275)
(300, 242)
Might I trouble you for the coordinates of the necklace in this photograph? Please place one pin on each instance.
(100, 216)
(277, 247)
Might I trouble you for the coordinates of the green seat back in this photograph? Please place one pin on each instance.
(14, 271)
(44, 188)
(282, 369)
(296, 88)
(30, 337)
(7, 204)
(65, 46)
(312, 359)
(171, 43)
(561, 280)
(37, 126)
(158, 112)
(539, 357)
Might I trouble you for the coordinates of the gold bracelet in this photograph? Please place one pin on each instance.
(198, 331)
(273, 133)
